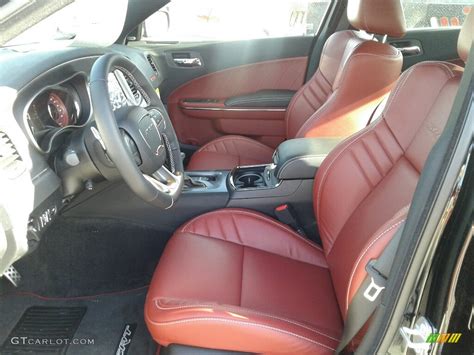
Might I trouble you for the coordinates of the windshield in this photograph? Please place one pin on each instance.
(74, 21)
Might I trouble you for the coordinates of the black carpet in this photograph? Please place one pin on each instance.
(99, 331)
(79, 257)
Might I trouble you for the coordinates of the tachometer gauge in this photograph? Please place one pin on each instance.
(57, 110)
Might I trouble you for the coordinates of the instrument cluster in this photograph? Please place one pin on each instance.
(57, 109)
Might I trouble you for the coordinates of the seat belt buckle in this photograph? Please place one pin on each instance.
(286, 215)
(373, 290)
(377, 282)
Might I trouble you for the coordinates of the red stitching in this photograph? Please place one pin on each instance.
(160, 305)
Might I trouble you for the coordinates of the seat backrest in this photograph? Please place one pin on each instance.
(354, 74)
(365, 186)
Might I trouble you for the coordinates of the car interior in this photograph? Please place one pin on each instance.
(214, 197)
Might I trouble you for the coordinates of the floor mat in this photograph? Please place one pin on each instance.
(50, 326)
(109, 320)
(79, 257)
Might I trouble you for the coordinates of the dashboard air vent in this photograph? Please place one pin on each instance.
(10, 160)
(152, 63)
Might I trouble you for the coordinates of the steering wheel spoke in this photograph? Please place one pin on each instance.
(166, 180)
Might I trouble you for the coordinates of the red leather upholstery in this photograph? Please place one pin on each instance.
(238, 280)
(228, 152)
(354, 76)
(384, 162)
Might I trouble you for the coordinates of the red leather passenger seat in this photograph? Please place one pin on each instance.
(238, 280)
(354, 74)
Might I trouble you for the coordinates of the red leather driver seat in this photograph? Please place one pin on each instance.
(237, 280)
(355, 73)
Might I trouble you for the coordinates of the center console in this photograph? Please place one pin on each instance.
(287, 180)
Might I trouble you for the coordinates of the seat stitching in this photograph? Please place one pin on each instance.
(262, 218)
(361, 168)
(407, 74)
(234, 138)
(344, 146)
(293, 233)
(242, 276)
(384, 149)
(401, 83)
(390, 57)
(310, 101)
(159, 304)
(289, 110)
(236, 230)
(363, 254)
(190, 320)
(289, 257)
(372, 157)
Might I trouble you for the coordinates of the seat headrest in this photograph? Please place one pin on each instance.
(466, 36)
(382, 17)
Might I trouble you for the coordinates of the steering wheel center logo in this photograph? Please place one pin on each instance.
(151, 134)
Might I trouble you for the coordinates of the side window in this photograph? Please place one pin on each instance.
(227, 20)
(435, 13)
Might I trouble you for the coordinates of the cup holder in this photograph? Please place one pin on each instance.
(248, 180)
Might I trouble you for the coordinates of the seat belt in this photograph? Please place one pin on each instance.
(369, 294)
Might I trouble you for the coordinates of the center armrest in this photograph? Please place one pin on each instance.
(300, 158)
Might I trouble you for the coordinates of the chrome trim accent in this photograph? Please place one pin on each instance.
(256, 109)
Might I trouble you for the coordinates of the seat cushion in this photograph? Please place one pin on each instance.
(227, 152)
(238, 280)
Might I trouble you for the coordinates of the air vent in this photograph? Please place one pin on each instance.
(10, 161)
(152, 63)
(133, 88)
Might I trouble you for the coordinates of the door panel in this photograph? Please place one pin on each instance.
(195, 95)
(433, 44)
(199, 123)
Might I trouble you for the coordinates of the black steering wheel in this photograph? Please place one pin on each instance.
(140, 140)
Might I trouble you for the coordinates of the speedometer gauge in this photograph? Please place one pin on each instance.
(58, 111)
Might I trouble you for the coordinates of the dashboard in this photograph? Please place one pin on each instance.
(59, 108)
(45, 106)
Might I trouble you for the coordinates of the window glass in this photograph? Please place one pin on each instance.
(226, 20)
(436, 13)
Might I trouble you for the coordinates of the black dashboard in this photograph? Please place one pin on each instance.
(45, 103)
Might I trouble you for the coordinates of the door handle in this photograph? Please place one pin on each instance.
(411, 50)
(188, 62)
